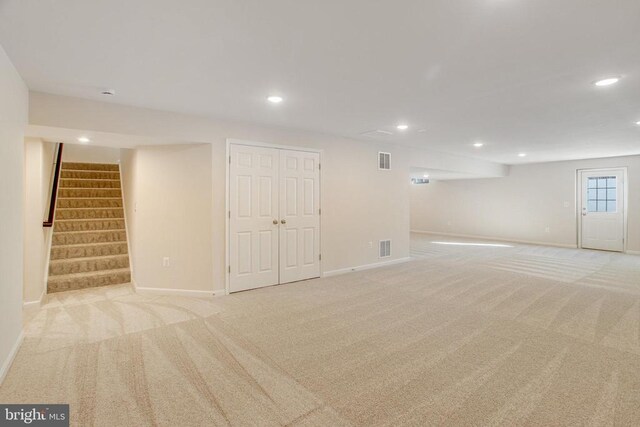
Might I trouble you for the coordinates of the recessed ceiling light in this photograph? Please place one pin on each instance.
(84, 140)
(478, 144)
(275, 99)
(638, 122)
(402, 127)
(522, 155)
(608, 81)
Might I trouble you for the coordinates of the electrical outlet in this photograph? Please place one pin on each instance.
(370, 244)
(166, 262)
(566, 204)
(547, 230)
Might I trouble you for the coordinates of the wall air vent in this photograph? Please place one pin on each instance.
(385, 248)
(384, 161)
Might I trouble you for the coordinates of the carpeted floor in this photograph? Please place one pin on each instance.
(463, 335)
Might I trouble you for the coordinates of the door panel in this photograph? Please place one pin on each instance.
(603, 210)
(253, 236)
(299, 201)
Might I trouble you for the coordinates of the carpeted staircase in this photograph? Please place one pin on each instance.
(89, 243)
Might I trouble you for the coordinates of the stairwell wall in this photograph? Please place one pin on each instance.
(38, 165)
(14, 105)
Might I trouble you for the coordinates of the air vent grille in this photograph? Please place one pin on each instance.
(385, 248)
(384, 161)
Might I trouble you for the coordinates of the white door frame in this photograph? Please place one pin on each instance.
(580, 195)
(227, 229)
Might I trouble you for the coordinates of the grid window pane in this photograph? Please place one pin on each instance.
(601, 194)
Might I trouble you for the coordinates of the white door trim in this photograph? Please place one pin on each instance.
(227, 228)
(579, 194)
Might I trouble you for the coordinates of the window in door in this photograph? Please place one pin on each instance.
(602, 194)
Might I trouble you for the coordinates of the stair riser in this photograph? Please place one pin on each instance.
(88, 192)
(64, 252)
(89, 214)
(73, 183)
(88, 203)
(59, 285)
(90, 166)
(82, 225)
(89, 174)
(88, 238)
(85, 266)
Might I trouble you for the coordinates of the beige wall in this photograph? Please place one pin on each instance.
(38, 164)
(520, 206)
(175, 195)
(175, 204)
(14, 100)
(168, 195)
(90, 154)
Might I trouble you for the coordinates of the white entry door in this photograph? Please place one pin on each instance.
(274, 226)
(602, 212)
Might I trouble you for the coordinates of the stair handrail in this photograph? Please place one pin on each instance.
(54, 188)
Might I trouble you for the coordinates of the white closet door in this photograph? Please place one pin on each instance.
(254, 219)
(299, 215)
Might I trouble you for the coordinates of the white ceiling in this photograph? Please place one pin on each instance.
(515, 74)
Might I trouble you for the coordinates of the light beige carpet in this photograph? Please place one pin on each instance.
(463, 335)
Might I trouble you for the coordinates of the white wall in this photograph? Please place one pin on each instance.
(14, 101)
(90, 154)
(520, 206)
(38, 165)
(360, 204)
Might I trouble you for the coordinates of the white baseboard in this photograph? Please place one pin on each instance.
(497, 239)
(12, 355)
(633, 252)
(366, 267)
(34, 305)
(179, 292)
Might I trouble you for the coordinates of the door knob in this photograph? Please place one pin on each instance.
(275, 222)
(284, 221)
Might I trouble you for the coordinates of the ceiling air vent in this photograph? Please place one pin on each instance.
(384, 161)
(385, 248)
(377, 133)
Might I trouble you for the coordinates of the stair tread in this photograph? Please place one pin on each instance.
(93, 258)
(80, 245)
(89, 219)
(89, 274)
(90, 231)
(90, 179)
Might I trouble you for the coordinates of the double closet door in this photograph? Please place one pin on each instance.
(274, 226)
